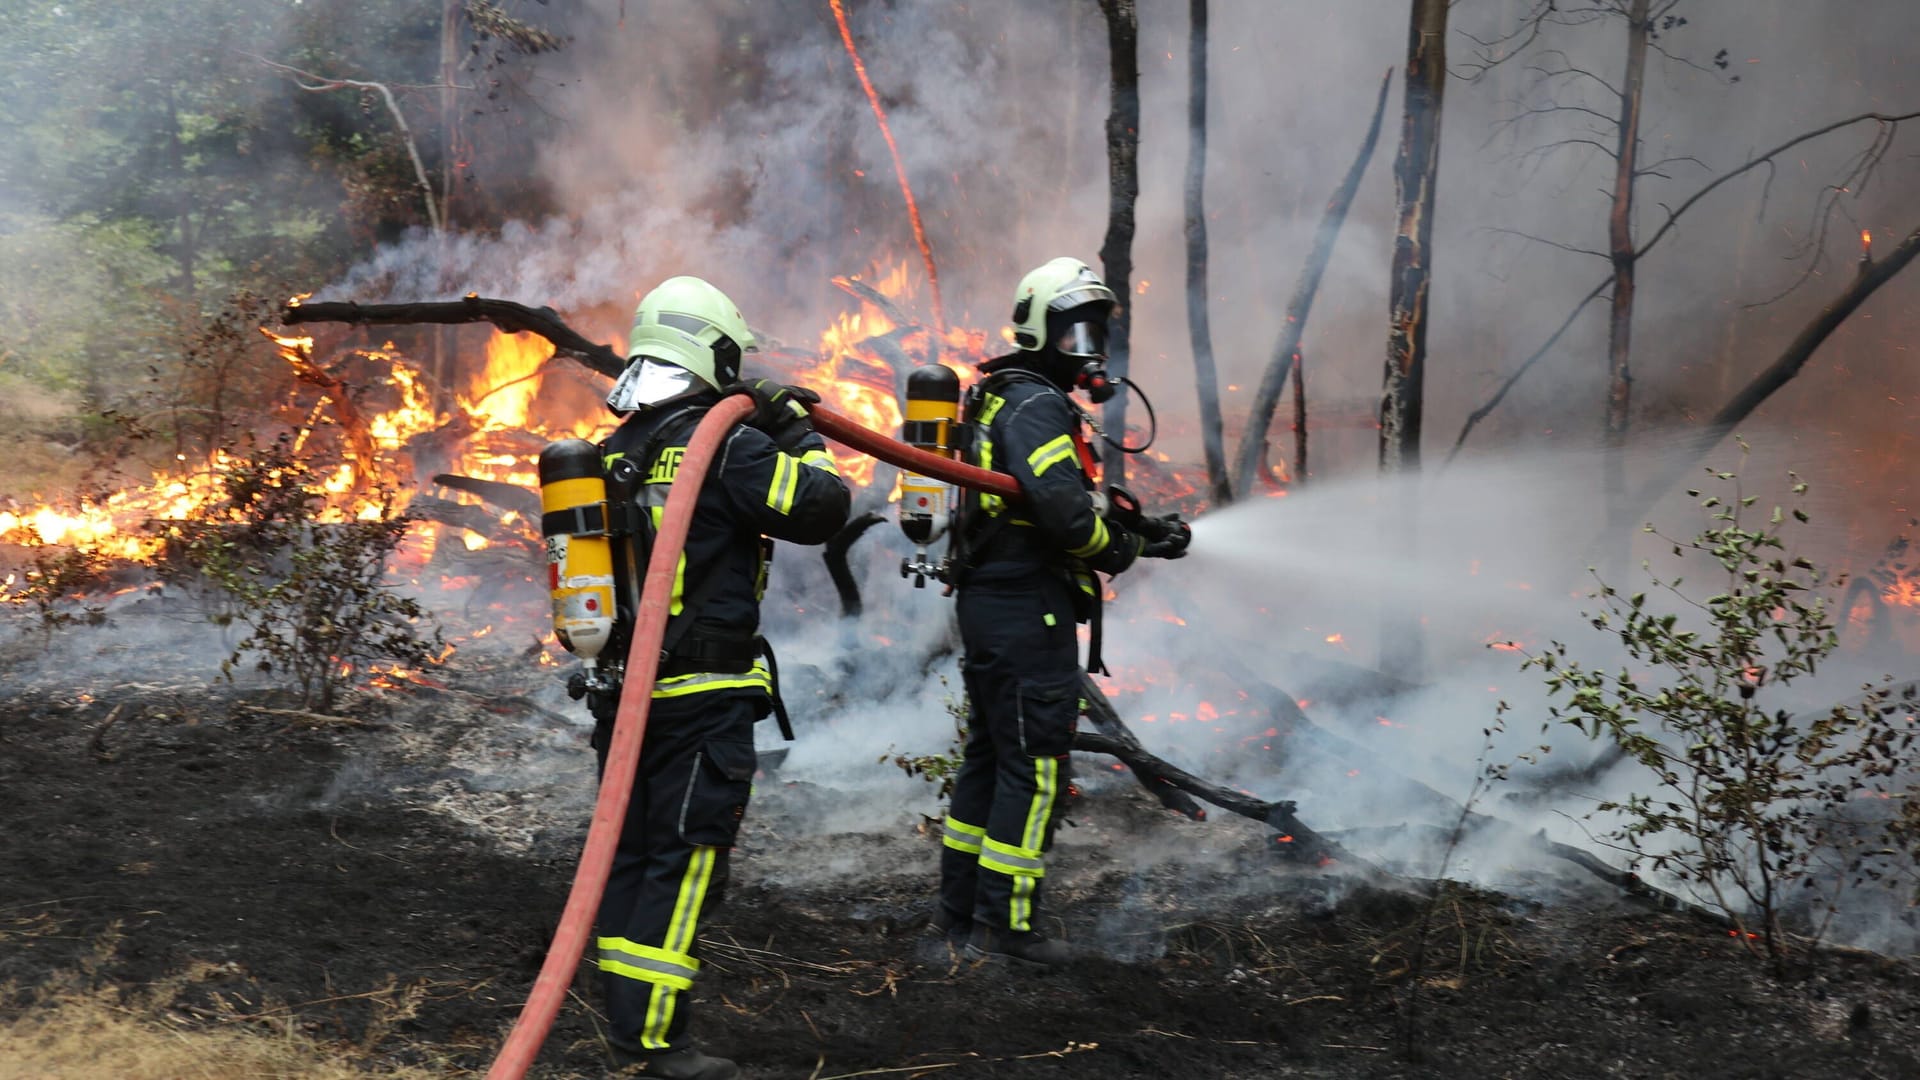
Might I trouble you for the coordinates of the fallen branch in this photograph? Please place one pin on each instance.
(1108, 722)
(509, 497)
(1253, 444)
(505, 314)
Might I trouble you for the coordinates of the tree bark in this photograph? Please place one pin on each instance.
(1415, 172)
(1206, 378)
(1253, 444)
(1871, 276)
(1621, 250)
(1123, 190)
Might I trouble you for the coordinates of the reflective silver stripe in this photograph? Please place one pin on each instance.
(650, 967)
(1010, 860)
(958, 838)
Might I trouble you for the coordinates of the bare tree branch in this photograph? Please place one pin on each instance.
(1887, 120)
(1872, 275)
(1544, 240)
(308, 81)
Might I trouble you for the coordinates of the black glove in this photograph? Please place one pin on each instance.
(779, 410)
(1167, 536)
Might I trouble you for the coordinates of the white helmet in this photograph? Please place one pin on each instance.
(685, 333)
(1049, 292)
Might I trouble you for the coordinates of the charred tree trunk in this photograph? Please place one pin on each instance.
(1402, 390)
(1123, 189)
(1253, 444)
(1299, 418)
(1621, 250)
(1414, 174)
(1872, 275)
(1206, 379)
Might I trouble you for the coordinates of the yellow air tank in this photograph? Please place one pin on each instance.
(573, 519)
(932, 412)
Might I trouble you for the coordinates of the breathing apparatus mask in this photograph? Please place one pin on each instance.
(1078, 335)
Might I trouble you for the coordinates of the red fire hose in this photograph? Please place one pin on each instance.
(643, 664)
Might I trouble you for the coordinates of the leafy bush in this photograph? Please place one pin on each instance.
(312, 593)
(1754, 808)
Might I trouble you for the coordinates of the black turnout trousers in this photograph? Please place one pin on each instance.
(1022, 674)
(670, 869)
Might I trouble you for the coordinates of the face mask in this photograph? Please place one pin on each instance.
(649, 382)
(1083, 341)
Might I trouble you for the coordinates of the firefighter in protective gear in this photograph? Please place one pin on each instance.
(1026, 575)
(772, 478)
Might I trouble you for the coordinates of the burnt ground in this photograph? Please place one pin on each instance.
(384, 886)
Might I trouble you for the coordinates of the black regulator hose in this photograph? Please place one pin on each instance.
(1153, 423)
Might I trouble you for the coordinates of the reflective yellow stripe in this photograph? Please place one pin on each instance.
(674, 605)
(645, 963)
(1051, 453)
(821, 460)
(1010, 860)
(680, 931)
(1046, 776)
(1097, 543)
(990, 405)
(992, 504)
(786, 478)
(700, 682)
(963, 837)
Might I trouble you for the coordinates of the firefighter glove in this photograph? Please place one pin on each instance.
(1167, 537)
(779, 410)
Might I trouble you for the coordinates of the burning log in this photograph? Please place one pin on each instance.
(505, 314)
(1286, 350)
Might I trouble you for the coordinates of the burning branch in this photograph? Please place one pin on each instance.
(1286, 351)
(1777, 374)
(505, 314)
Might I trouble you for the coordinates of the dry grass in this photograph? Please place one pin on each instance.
(91, 1037)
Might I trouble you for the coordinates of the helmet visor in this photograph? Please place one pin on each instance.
(650, 381)
(1086, 340)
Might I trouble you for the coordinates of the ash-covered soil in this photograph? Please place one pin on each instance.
(391, 883)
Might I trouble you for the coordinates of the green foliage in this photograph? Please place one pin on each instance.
(943, 767)
(312, 594)
(1752, 807)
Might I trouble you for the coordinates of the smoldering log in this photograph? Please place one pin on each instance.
(1107, 719)
(505, 314)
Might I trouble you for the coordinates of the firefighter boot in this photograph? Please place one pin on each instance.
(685, 1063)
(954, 928)
(1030, 946)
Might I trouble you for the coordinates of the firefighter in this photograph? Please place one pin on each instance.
(1025, 576)
(772, 477)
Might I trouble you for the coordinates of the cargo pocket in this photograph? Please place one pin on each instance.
(1048, 707)
(718, 792)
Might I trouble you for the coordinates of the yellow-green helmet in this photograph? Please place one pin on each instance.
(687, 322)
(1058, 286)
